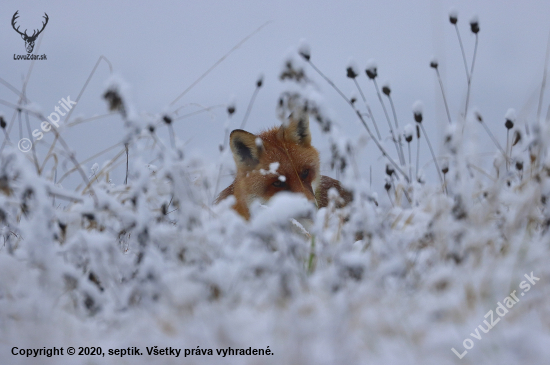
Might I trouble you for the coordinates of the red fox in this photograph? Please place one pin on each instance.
(286, 149)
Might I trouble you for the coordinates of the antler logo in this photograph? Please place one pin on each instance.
(29, 40)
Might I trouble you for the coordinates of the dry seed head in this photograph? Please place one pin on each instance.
(304, 50)
(352, 71)
(478, 117)
(519, 165)
(386, 89)
(474, 25)
(408, 132)
(2, 122)
(389, 170)
(434, 63)
(387, 185)
(113, 98)
(453, 16)
(417, 111)
(167, 119)
(509, 124)
(371, 70)
(260, 81)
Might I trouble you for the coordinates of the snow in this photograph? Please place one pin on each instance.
(418, 107)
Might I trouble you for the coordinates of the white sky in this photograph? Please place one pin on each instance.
(159, 48)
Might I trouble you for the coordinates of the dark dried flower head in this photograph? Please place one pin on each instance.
(372, 70)
(2, 122)
(151, 128)
(231, 109)
(304, 50)
(372, 73)
(519, 165)
(509, 124)
(479, 117)
(408, 133)
(474, 25)
(387, 186)
(386, 90)
(260, 81)
(351, 73)
(417, 111)
(113, 98)
(389, 170)
(353, 100)
(167, 119)
(434, 64)
(445, 169)
(453, 16)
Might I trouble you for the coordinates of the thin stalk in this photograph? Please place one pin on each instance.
(127, 158)
(33, 148)
(433, 155)
(443, 93)
(470, 78)
(311, 260)
(249, 108)
(397, 128)
(399, 151)
(494, 140)
(380, 147)
(463, 54)
(545, 73)
(410, 164)
(368, 108)
(389, 196)
(417, 151)
(219, 61)
(508, 149)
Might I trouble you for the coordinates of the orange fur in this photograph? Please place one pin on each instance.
(298, 161)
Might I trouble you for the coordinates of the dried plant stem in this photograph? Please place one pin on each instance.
(443, 93)
(544, 75)
(371, 116)
(494, 140)
(410, 163)
(380, 147)
(463, 54)
(127, 159)
(470, 77)
(397, 146)
(397, 128)
(508, 149)
(249, 108)
(417, 155)
(219, 61)
(433, 155)
(33, 148)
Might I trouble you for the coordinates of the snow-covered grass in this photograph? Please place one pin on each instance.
(154, 263)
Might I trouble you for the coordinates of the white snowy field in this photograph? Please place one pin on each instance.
(429, 267)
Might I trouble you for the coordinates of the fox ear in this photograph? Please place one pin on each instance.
(297, 129)
(245, 150)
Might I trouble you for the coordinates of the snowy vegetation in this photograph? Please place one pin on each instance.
(401, 280)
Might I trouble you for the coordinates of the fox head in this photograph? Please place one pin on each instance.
(280, 159)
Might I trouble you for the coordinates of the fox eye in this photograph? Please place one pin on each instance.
(279, 184)
(304, 174)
